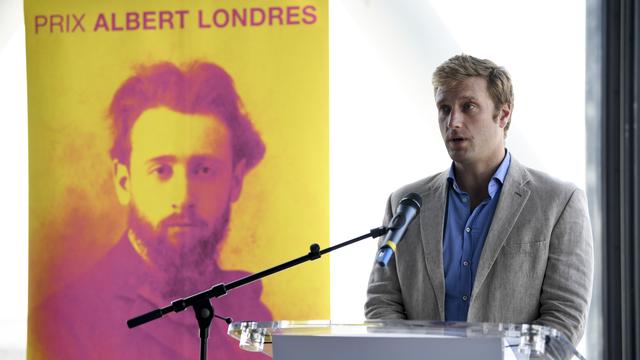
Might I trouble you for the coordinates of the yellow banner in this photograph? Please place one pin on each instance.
(173, 145)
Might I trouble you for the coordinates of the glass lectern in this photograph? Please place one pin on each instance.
(399, 339)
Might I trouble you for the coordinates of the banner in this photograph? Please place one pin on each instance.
(173, 146)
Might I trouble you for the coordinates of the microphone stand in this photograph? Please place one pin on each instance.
(202, 307)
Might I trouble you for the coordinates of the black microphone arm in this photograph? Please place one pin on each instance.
(221, 289)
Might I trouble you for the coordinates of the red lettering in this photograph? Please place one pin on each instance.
(101, 22)
(200, 24)
(148, 20)
(182, 13)
(78, 23)
(56, 20)
(254, 18)
(216, 18)
(292, 15)
(275, 13)
(165, 17)
(309, 13)
(237, 17)
(40, 22)
(114, 25)
(62, 23)
(133, 20)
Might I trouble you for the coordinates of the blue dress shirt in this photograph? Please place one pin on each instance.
(464, 235)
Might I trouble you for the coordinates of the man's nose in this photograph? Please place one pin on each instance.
(455, 119)
(180, 194)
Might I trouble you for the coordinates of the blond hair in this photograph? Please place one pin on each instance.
(461, 67)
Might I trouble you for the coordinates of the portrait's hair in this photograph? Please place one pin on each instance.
(197, 88)
(461, 67)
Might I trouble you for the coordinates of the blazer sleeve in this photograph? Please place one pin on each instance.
(384, 295)
(566, 288)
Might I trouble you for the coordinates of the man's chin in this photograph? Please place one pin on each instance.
(180, 254)
(181, 236)
(185, 247)
(458, 156)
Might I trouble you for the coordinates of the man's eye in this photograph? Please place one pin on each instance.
(161, 171)
(468, 106)
(204, 170)
(445, 109)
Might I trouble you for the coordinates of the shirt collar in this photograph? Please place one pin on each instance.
(496, 180)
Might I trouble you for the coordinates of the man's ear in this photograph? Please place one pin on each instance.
(237, 177)
(122, 182)
(504, 115)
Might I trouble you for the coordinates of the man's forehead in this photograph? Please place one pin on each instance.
(160, 132)
(474, 88)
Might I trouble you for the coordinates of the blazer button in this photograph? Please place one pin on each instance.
(465, 297)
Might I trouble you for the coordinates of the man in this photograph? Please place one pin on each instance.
(182, 146)
(495, 241)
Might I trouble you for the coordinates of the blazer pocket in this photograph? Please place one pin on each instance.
(527, 247)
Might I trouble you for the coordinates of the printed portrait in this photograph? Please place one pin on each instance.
(165, 161)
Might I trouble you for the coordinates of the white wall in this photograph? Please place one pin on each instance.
(383, 126)
(13, 183)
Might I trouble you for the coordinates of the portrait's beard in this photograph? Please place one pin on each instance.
(181, 264)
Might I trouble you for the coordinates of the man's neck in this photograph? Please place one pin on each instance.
(473, 178)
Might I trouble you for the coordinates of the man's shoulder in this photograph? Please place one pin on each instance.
(542, 189)
(540, 182)
(423, 186)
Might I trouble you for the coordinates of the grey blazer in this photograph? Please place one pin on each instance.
(536, 265)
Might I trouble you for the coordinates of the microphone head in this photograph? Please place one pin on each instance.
(413, 200)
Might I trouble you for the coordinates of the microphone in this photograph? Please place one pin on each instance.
(407, 209)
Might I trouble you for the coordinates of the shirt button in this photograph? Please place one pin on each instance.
(465, 263)
(464, 298)
(467, 229)
(464, 199)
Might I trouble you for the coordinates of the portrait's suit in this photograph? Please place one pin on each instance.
(536, 265)
(87, 318)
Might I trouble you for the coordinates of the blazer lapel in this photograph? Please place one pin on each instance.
(513, 196)
(432, 228)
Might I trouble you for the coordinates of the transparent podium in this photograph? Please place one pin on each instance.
(401, 340)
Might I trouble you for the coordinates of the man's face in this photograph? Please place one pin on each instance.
(181, 182)
(471, 132)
